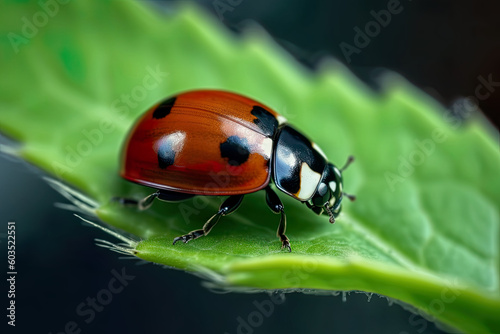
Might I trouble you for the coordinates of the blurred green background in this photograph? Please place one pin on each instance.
(441, 46)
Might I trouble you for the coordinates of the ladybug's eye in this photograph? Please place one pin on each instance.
(322, 189)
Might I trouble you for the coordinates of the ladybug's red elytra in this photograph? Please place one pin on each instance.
(218, 143)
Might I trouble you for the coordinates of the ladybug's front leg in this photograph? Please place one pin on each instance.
(228, 206)
(274, 203)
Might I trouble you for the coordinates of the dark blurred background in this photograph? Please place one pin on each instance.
(447, 48)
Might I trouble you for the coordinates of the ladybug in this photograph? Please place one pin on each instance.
(218, 143)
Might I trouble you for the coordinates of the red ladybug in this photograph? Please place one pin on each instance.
(217, 143)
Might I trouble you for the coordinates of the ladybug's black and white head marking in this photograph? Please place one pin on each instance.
(302, 171)
(298, 166)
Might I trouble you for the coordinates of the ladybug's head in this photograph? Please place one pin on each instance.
(327, 199)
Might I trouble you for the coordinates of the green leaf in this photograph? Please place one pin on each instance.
(424, 230)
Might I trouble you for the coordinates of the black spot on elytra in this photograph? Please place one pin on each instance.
(265, 121)
(236, 150)
(164, 108)
(166, 155)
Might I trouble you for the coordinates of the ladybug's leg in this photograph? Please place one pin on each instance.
(274, 203)
(142, 204)
(146, 202)
(228, 206)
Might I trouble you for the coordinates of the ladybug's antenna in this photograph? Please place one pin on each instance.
(330, 213)
(351, 197)
(350, 159)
